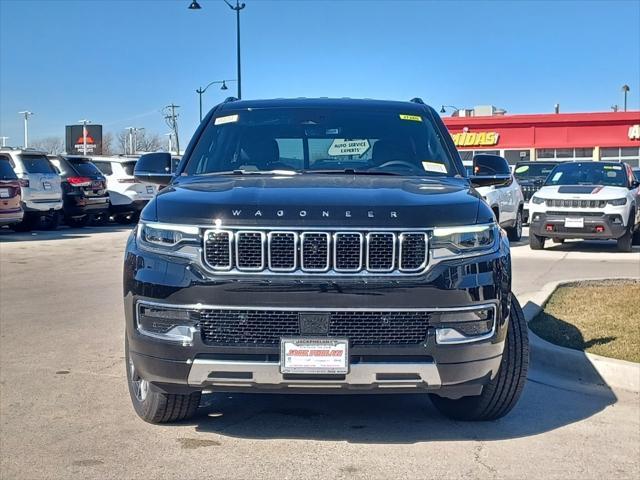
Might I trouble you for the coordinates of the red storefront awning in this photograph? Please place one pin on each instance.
(562, 130)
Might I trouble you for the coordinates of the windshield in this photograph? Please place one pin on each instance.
(321, 140)
(6, 172)
(533, 170)
(594, 173)
(37, 164)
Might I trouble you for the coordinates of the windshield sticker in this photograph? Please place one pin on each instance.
(414, 118)
(434, 167)
(227, 119)
(522, 169)
(556, 177)
(612, 167)
(612, 174)
(348, 146)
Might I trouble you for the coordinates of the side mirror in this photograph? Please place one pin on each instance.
(490, 170)
(154, 168)
(635, 184)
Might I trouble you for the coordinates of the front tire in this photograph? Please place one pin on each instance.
(515, 233)
(502, 393)
(536, 242)
(77, 222)
(625, 242)
(153, 405)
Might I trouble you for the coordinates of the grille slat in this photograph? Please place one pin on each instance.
(566, 203)
(267, 327)
(381, 251)
(348, 252)
(218, 250)
(283, 251)
(250, 250)
(412, 251)
(316, 252)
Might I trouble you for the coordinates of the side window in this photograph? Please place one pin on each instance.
(104, 167)
(9, 159)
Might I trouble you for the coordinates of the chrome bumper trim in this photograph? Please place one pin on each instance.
(267, 374)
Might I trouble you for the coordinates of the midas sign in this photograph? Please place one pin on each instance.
(475, 139)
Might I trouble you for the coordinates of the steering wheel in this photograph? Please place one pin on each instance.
(402, 163)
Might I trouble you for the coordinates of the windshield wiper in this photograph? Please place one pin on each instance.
(251, 172)
(351, 171)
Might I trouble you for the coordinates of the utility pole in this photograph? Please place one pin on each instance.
(4, 141)
(171, 117)
(26, 114)
(84, 135)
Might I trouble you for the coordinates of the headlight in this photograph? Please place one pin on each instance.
(467, 240)
(537, 200)
(617, 202)
(181, 240)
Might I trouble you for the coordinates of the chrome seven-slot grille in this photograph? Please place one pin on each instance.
(568, 203)
(267, 327)
(316, 252)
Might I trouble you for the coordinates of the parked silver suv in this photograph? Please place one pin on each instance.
(40, 184)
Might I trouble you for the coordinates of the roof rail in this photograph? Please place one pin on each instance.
(230, 99)
(417, 100)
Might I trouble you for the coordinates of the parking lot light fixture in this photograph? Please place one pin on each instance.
(444, 108)
(26, 114)
(237, 7)
(201, 90)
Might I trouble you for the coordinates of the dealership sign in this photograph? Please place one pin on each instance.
(76, 138)
(475, 139)
(634, 132)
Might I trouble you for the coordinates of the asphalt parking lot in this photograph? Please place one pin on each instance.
(66, 413)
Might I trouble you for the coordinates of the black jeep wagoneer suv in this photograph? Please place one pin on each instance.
(330, 246)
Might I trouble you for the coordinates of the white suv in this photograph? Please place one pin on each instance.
(40, 185)
(588, 200)
(128, 196)
(506, 200)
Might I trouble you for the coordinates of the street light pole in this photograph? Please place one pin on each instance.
(26, 114)
(201, 90)
(237, 7)
(84, 135)
(625, 89)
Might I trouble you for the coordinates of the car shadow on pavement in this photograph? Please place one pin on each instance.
(406, 418)
(62, 233)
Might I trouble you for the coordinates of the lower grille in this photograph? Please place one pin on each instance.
(267, 327)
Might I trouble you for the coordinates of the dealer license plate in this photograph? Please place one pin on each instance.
(570, 222)
(150, 189)
(314, 355)
(4, 193)
(46, 185)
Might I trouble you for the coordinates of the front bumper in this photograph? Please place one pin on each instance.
(596, 226)
(451, 370)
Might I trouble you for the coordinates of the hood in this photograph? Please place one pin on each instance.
(318, 200)
(595, 192)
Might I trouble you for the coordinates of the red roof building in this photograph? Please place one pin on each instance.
(562, 136)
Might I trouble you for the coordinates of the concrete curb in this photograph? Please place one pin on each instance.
(567, 368)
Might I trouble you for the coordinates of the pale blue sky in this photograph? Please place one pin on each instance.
(117, 62)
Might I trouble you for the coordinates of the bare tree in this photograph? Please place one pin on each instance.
(53, 145)
(148, 142)
(122, 141)
(107, 144)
